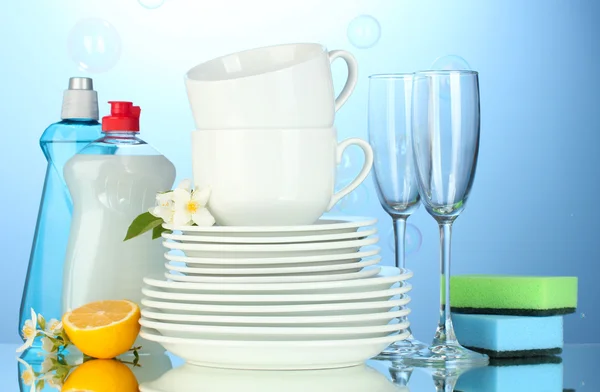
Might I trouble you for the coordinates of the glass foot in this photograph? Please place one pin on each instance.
(446, 355)
(402, 349)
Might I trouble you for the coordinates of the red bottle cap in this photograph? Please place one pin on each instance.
(124, 117)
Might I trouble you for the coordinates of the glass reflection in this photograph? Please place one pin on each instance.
(40, 371)
(193, 378)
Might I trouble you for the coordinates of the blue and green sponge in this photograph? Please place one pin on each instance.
(513, 295)
(511, 316)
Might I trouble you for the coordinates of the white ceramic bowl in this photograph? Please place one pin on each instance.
(274, 355)
(387, 277)
(299, 310)
(270, 250)
(195, 278)
(279, 299)
(205, 239)
(357, 320)
(299, 270)
(201, 331)
(274, 262)
(324, 226)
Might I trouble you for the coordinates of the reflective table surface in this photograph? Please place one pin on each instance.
(576, 369)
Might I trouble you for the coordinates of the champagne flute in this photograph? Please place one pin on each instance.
(445, 137)
(389, 136)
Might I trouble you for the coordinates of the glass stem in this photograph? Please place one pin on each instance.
(400, 237)
(445, 331)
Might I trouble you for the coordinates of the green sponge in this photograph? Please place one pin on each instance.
(513, 295)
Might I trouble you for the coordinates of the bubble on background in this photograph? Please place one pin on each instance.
(413, 239)
(94, 45)
(450, 63)
(364, 31)
(354, 202)
(151, 4)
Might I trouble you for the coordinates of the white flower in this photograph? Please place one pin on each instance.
(29, 332)
(47, 344)
(164, 208)
(47, 364)
(53, 381)
(190, 207)
(28, 375)
(54, 327)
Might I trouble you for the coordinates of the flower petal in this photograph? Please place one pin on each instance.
(201, 196)
(203, 217)
(181, 197)
(24, 363)
(181, 218)
(185, 184)
(33, 319)
(164, 198)
(164, 213)
(28, 343)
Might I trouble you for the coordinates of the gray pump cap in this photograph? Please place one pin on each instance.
(80, 100)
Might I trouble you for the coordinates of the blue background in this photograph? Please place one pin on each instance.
(532, 209)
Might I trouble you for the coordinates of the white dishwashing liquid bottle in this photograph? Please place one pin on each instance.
(111, 181)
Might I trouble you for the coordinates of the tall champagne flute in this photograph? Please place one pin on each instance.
(445, 137)
(393, 166)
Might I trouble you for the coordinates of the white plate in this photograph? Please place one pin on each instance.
(330, 225)
(383, 280)
(303, 310)
(189, 238)
(188, 378)
(270, 250)
(273, 262)
(272, 333)
(357, 320)
(246, 299)
(365, 273)
(277, 355)
(299, 270)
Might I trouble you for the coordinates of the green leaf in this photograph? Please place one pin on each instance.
(142, 224)
(158, 230)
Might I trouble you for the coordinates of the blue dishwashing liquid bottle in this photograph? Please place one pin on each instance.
(59, 142)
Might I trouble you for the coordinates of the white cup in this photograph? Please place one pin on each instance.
(272, 177)
(284, 86)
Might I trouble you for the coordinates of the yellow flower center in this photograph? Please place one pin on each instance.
(28, 332)
(192, 207)
(28, 377)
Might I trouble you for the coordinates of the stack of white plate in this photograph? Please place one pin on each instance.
(303, 297)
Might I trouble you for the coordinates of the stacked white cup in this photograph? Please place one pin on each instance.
(265, 142)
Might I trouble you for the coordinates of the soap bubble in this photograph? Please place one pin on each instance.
(151, 4)
(364, 31)
(95, 45)
(353, 202)
(450, 63)
(413, 239)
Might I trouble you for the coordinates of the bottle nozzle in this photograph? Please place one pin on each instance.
(80, 101)
(78, 83)
(124, 117)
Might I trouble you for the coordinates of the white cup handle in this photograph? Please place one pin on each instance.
(364, 172)
(352, 75)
